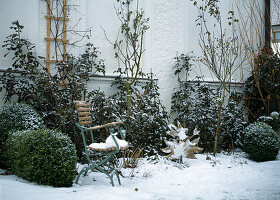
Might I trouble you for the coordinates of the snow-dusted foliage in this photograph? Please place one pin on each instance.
(262, 87)
(232, 126)
(201, 115)
(146, 122)
(181, 145)
(261, 142)
(273, 120)
(50, 94)
(43, 156)
(196, 104)
(104, 109)
(182, 98)
(204, 115)
(17, 116)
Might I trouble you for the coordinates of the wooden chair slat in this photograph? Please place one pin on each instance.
(79, 102)
(84, 114)
(85, 122)
(85, 118)
(81, 105)
(82, 109)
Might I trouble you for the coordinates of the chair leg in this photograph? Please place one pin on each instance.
(85, 171)
(112, 182)
(118, 176)
(91, 167)
(107, 174)
(114, 171)
(80, 173)
(100, 168)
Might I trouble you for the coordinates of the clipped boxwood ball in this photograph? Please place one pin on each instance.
(261, 142)
(17, 116)
(43, 156)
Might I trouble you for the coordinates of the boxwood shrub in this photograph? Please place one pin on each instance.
(43, 156)
(17, 116)
(261, 142)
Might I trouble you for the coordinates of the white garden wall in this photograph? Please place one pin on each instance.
(172, 31)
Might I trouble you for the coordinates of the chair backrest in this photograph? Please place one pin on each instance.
(83, 111)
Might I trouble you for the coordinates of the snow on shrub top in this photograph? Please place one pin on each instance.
(273, 120)
(15, 117)
(18, 116)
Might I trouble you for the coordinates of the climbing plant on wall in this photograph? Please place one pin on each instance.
(51, 95)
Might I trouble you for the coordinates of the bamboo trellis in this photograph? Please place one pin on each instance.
(50, 37)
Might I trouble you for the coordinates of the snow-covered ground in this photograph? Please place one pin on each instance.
(223, 177)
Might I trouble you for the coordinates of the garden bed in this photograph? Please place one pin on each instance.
(223, 177)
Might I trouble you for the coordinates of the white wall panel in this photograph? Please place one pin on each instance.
(172, 31)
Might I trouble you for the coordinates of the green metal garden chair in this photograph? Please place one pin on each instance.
(112, 146)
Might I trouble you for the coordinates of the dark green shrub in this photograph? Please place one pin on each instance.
(232, 126)
(261, 142)
(194, 103)
(204, 115)
(183, 97)
(262, 89)
(17, 117)
(146, 121)
(44, 156)
(43, 90)
(272, 120)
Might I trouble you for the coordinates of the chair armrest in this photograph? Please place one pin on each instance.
(105, 125)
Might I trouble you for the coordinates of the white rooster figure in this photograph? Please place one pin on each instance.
(181, 145)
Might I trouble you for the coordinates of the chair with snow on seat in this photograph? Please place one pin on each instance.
(111, 146)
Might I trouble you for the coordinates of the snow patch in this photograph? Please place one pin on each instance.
(109, 143)
(207, 178)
